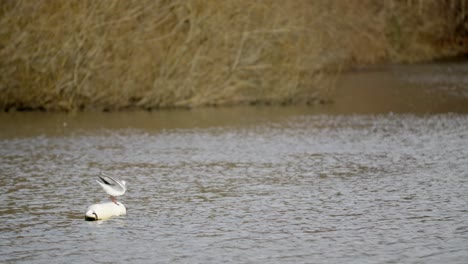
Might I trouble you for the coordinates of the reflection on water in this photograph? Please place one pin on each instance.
(258, 189)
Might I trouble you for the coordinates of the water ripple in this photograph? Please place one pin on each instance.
(354, 189)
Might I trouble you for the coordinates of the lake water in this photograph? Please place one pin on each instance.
(239, 185)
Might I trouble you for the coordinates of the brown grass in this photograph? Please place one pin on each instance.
(117, 54)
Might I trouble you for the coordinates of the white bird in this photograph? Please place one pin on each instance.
(112, 186)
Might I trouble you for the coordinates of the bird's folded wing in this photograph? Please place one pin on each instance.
(109, 183)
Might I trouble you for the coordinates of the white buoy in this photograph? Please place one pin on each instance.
(104, 211)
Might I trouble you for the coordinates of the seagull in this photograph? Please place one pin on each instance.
(112, 186)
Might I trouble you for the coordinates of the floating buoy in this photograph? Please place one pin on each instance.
(104, 211)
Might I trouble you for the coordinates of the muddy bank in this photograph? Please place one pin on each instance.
(422, 88)
(418, 88)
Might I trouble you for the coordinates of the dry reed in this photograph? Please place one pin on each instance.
(149, 54)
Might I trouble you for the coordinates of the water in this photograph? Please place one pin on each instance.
(236, 185)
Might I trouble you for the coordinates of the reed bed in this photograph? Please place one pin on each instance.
(73, 55)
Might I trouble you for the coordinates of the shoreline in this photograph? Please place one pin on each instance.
(433, 87)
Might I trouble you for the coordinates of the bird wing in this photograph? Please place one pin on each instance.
(110, 185)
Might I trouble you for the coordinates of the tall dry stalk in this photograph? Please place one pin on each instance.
(84, 54)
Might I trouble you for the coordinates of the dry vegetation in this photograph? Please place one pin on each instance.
(122, 54)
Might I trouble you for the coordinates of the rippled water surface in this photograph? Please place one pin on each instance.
(245, 187)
